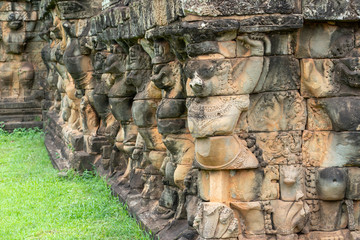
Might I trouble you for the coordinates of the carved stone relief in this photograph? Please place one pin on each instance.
(265, 109)
(216, 221)
(217, 119)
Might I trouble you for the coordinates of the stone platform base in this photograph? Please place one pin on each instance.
(21, 115)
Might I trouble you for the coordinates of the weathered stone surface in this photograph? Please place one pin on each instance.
(354, 235)
(277, 111)
(216, 220)
(331, 184)
(211, 185)
(354, 214)
(280, 147)
(215, 115)
(220, 8)
(226, 49)
(271, 23)
(326, 77)
(245, 185)
(327, 215)
(242, 185)
(331, 10)
(21, 79)
(292, 182)
(339, 114)
(250, 185)
(289, 217)
(270, 185)
(287, 237)
(278, 78)
(252, 217)
(352, 190)
(324, 41)
(341, 234)
(282, 43)
(327, 149)
(223, 77)
(230, 153)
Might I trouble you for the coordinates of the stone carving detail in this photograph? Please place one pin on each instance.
(324, 41)
(327, 78)
(280, 148)
(214, 111)
(310, 183)
(272, 217)
(327, 215)
(352, 191)
(17, 74)
(21, 68)
(291, 183)
(289, 217)
(265, 108)
(216, 221)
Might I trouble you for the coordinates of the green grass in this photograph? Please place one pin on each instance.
(37, 204)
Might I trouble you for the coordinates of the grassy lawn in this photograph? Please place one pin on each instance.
(37, 204)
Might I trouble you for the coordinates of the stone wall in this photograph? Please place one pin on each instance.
(21, 68)
(212, 119)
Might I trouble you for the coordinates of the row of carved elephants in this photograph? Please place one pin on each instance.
(158, 112)
(161, 107)
(158, 95)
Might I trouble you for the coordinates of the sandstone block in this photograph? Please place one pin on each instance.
(143, 113)
(229, 153)
(271, 23)
(250, 185)
(326, 77)
(331, 10)
(289, 217)
(276, 77)
(331, 184)
(353, 188)
(121, 108)
(152, 138)
(328, 149)
(211, 185)
(223, 77)
(327, 215)
(232, 7)
(354, 214)
(169, 198)
(270, 184)
(287, 237)
(337, 114)
(341, 234)
(280, 147)
(354, 235)
(292, 186)
(277, 111)
(226, 49)
(75, 10)
(216, 220)
(191, 205)
(324, 41)
(251, 215)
